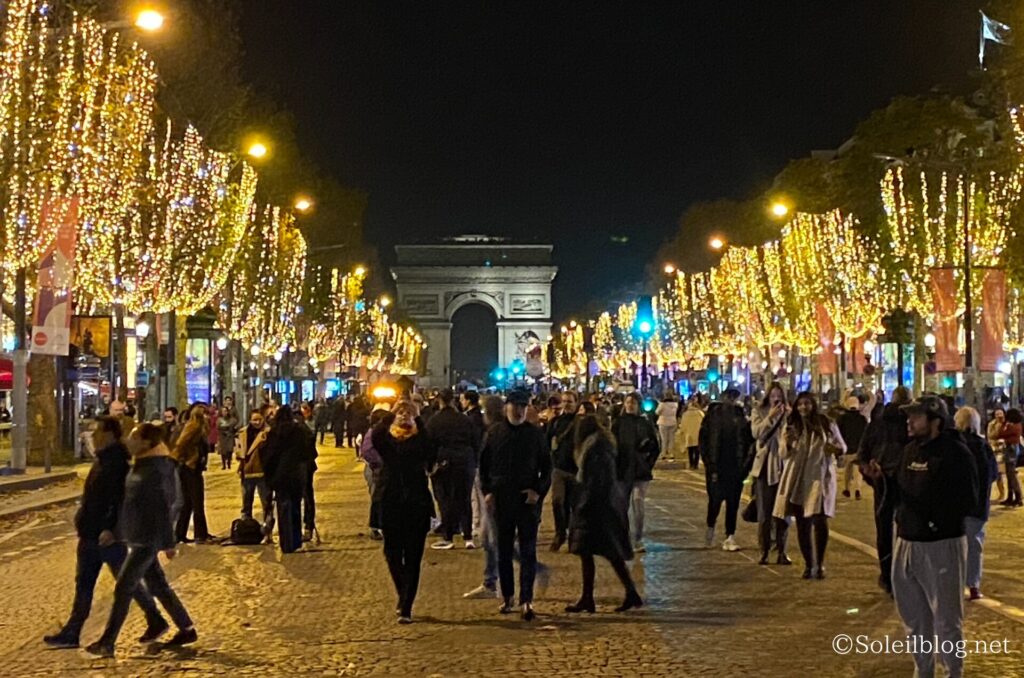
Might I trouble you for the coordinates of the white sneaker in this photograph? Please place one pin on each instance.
(442, 545)
(709, 538)
(730, 544)
(482, 592)
(470, 545)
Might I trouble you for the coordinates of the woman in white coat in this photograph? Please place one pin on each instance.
(807, 488)
(667, 412)
(689, 429)
(767, 422)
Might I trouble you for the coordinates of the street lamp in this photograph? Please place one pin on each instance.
(929, 341)
(779, 209)
(257, 150)
(716, 243)
(669, 269)
(303, 204)
(142, 329)
(149, 20)
(222, 343)
(360, 271)
(385, 301)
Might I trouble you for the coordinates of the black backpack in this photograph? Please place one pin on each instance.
(246, 531)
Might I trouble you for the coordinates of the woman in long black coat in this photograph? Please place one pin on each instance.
(599, 526)
(407, 454)
(287, 454)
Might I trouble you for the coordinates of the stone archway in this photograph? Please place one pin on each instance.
(434, 281)
(474, 342)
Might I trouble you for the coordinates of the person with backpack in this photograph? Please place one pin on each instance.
(249, 452)
(286, 458)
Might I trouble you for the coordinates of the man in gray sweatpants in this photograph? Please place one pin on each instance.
(936, 489)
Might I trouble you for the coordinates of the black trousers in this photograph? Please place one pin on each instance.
(289, 520)
(694, 454)
(193, 494)
(404, 541)
(309, 502)
(885, 510)
(764, 497)
(457, 500)
(561, 502)
(142, 565)
(516, 518)
(339, 434)
(91, 559)
(729, 491)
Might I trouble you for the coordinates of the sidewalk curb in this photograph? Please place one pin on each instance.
(34, 482)
(66, 498)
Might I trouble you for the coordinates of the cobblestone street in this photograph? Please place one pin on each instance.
(329, 610)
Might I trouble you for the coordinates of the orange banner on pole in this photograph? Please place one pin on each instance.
(993, 320)
(51, 319)
(826, 335)
(947, 324)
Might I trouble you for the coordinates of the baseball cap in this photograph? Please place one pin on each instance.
(929, 405)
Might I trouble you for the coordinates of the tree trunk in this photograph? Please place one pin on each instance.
(43, 429)
(180, 346)
(121, 353)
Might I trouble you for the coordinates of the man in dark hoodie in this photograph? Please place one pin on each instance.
(937, 488)
(883, 442)
(458, 442)
(98, 538)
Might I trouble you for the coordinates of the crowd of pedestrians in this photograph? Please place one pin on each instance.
(479, 470)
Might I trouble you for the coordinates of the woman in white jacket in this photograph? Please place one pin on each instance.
(767, 422)
(667, 411)
(807, 487)
(689, 429)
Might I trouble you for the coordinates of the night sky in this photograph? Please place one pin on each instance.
(572, 124)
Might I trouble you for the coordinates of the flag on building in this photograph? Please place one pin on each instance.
(995, 31)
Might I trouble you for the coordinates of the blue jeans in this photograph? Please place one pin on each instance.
(142, 565)
(91, 558)
(975, 546)
(250, 488)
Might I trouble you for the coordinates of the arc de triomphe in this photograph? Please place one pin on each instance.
(513, 280)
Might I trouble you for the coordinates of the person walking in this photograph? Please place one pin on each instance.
(883, 443)
(995, 425)
(515, 474)
(308, 495)
(99, 542)
(852, 425)
(599, 526)
(407, 455)
(725, 440)
(152, 496)
(968, 422)
(286, 456)
(689, 429)
(249, 454)
(191, 451)
(470, 402)
(560, 437)
(458, 442)
(357, 420)
(811, 443)
(767, 422)
(493, 413)
(339, 415)
(637, 446)
(937, 488)
(321, 419)
(227, 425)
(668, 419)
(1010, 435)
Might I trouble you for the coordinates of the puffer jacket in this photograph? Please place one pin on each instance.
(152, 499)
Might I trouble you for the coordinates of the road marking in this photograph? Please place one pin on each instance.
(20, 530)
(1009, 611)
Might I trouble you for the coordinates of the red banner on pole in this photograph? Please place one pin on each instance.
(51, 322)
(947, 323)
(993, 320)
(826, 335)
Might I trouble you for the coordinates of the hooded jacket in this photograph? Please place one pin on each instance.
(638, 448)
(937, 486)
(152, 499)
(725, 431)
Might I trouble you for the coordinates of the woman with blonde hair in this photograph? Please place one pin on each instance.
(190, 452)
(968, 422)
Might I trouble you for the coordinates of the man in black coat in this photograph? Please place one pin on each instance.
(559, 435)
(339, 414)
(636, 440)
(725, 439)
(883, 444)
(515, 474)
(457, 444)
(98, 538)
(852, 425)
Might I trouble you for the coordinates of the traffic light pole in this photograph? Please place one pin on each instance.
(643, 373)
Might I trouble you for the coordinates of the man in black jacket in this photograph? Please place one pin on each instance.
(725, 439)
(457, 444)
(559, 435)
(515, 474)
(883, 442)
(852, 425)
(638, 450)
(938, 487)
(98, 538)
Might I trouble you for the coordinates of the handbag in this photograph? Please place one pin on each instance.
(749, 514)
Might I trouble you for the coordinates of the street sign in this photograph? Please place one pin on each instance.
(142, 379)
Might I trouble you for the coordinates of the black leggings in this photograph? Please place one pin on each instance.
(403, 549)
(818, 524)
(589, 570)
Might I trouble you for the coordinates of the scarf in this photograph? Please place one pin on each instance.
(401, 433)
